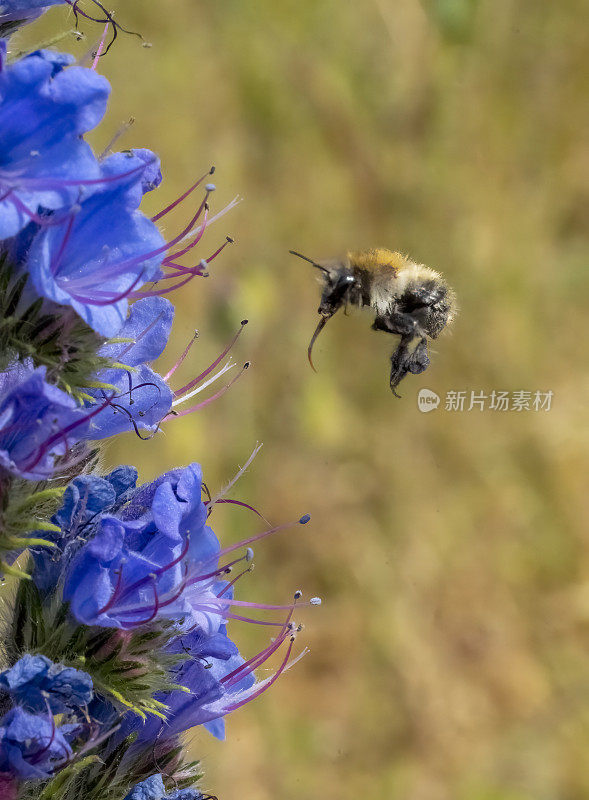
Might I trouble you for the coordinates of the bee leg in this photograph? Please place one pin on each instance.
(400, 362)
(419, 359)
(403, 361)
(396, 322)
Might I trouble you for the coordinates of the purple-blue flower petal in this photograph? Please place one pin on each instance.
(36, 683)
(148, 326)
(151, 788)
(101, 252)
(44, 110)
(30, 746)
(32, 414)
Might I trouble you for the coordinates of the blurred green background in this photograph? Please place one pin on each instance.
(450, 658)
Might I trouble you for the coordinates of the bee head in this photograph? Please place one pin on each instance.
(337, 282)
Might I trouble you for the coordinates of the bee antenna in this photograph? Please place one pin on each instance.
(310, 260)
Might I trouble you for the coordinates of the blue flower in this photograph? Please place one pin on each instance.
(31, 746)
(143, 398)
(216, 677)
(94, 256)
(44, 110)
(84, 500)
(153, 789)
(156, 558)
(38, 422)
(35, 682)
(184, 794)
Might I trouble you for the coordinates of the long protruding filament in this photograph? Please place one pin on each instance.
(236, 477)
(318, 330)
(310, 260)
(229, 365)
(180, 361)
(100, 47)
(216, 362)
(209, 400)
(182, 197)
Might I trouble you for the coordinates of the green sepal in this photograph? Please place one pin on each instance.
(8, 569)
(66, 777)
(32, 524)
(42, 496)
(56, 339)
(27, 541)
(128, 669)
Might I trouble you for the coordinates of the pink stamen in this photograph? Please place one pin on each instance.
(215, 363)
(260, 657)
(100, 47)
(267, 685)
(182, 197)
(172, 242)
(250, 620)
(180, 361)
(270, 532)
(228, 603)
(256, 661)
(220, 393)
(180, 270)
(234, 581)
(193, 243)
(216, 573)
(227, 241)
(167, 289)
(238, 503)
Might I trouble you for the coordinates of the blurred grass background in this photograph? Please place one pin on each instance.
(450, 658)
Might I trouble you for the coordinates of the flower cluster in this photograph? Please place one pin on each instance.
(119, 640)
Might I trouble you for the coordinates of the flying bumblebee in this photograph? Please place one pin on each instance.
(410, 300)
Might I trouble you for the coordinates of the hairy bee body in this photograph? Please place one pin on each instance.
(408, 299)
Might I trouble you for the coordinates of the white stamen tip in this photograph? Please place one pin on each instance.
(315, 601)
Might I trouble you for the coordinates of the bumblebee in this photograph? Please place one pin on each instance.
(410, 300)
